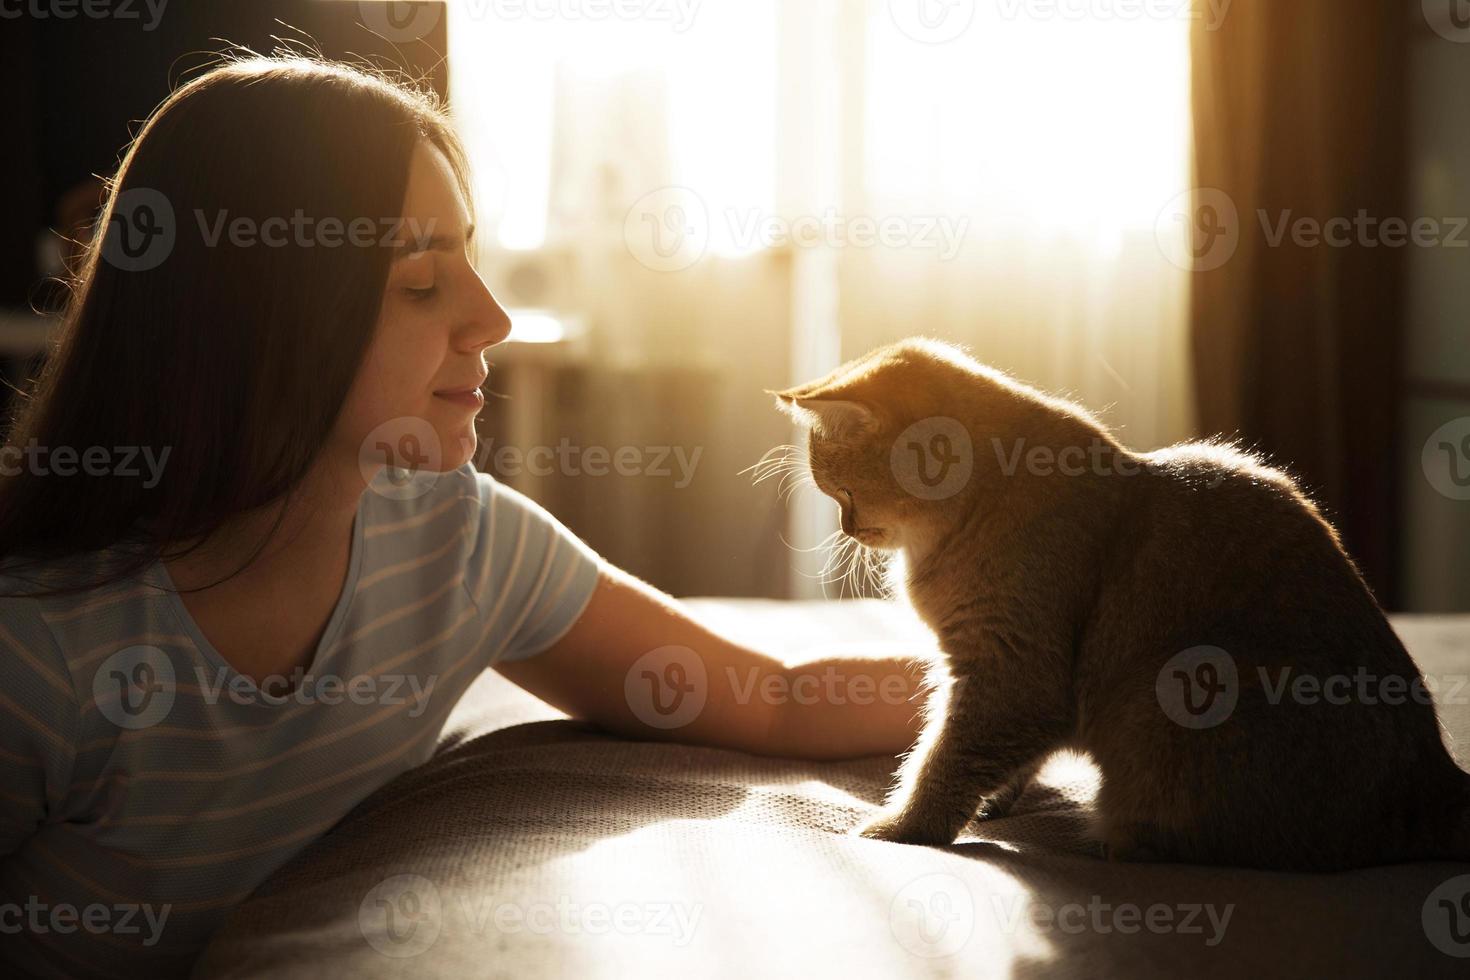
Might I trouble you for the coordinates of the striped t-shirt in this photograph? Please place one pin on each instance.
(148, 788)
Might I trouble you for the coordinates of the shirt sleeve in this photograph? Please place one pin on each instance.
(38, 722)
(529, 575)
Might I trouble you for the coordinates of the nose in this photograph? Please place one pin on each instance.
(486, 322)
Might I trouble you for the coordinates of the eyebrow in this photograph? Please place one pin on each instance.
(435, 243)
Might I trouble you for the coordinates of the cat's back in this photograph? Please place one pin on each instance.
(1210, 538)
(1227, 503)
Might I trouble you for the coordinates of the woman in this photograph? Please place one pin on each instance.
(245, 472)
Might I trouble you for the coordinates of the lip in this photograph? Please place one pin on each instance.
(470, 397)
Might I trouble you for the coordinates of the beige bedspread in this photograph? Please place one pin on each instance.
(533, 846)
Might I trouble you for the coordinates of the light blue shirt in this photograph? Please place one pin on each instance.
(146, 788)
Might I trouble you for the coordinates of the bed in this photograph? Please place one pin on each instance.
(533, 845)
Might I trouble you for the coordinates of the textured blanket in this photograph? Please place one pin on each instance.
(533, 845)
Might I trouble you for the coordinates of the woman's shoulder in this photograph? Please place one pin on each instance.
(69, 604)
(460, 500)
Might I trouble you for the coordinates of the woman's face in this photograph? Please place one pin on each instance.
(415, 398)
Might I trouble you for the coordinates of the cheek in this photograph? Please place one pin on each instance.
(391, 382)
(400, 365)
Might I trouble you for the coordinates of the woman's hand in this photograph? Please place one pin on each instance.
(638, 665)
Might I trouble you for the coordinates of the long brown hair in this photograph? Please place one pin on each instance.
(181, 337)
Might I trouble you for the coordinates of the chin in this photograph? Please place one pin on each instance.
(876, 539)
(458, 445)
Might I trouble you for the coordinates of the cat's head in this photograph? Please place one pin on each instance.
(894, 435)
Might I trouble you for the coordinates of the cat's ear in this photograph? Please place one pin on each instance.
(833, 417)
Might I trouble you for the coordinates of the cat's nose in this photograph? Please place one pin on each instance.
(848, 510)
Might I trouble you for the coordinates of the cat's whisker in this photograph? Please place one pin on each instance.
(835, 554)
(850, 572)
(786, 490)
(768, 457)
(771, 467)
(825, 543)
(778, 459)
(836, 559)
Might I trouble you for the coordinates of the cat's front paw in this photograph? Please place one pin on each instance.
(899, 828)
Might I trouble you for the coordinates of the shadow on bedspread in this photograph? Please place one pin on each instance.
(546, 848)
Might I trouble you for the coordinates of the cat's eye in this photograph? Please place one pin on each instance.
(427, 292)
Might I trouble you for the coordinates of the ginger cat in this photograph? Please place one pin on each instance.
(1156, 611)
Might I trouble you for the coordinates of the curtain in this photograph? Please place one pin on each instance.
(767, 187)
(1297, 342)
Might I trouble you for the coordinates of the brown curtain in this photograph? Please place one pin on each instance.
(1300, 112)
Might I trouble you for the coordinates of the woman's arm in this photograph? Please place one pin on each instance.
(637, 664)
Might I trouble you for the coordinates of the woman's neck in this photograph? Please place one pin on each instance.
(315, 526)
